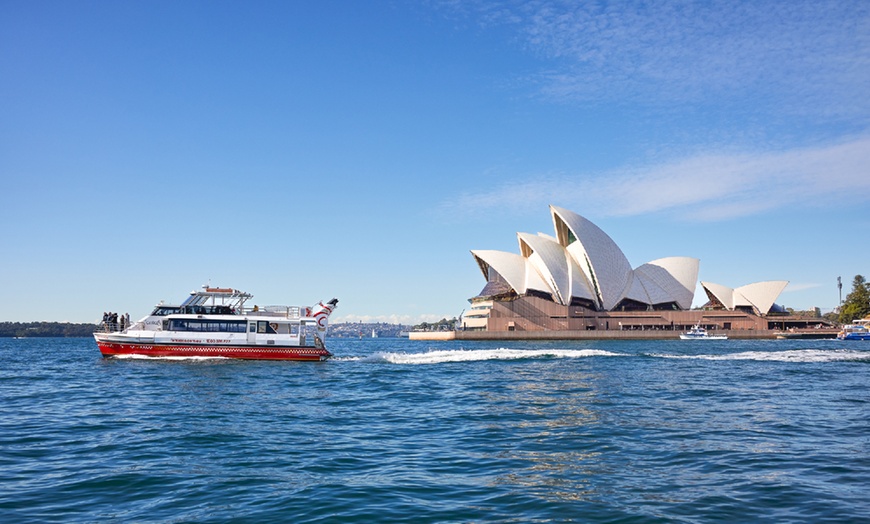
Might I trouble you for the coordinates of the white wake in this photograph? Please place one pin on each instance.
(797, 355)
(472, 355)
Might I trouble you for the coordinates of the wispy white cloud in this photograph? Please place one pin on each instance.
(705, 186)
(796, 287)
(793, 55)
(768, 60)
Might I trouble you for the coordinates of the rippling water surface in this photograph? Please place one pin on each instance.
(394, 430)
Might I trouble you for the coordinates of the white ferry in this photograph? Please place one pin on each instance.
(215, 322)
(699, 333)
(857, 330)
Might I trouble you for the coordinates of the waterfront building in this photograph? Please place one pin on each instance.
(579, 280)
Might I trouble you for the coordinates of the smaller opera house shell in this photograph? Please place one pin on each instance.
(579, 279)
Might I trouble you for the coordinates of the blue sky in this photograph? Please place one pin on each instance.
(301, 151)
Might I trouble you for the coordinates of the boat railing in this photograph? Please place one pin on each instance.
(292, 312)
(115, 327)
(107, 327)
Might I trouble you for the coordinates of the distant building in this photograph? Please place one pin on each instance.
(579, 279)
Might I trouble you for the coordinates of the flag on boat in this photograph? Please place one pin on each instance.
(321, 312)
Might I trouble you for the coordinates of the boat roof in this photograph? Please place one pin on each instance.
(223, 296)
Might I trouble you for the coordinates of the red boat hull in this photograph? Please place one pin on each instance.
(114, 349)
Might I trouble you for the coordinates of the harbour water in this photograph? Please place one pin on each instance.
(393, 430)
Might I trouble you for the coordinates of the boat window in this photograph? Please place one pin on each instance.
(266, 327)
(205, 310)
(286, 328)
(162, 311)
(209, 326)
(253, 327)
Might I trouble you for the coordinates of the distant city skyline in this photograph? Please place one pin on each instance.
(304, 151)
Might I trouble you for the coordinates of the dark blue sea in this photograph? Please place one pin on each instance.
(392, 430)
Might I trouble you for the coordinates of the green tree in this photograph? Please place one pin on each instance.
(857, 303)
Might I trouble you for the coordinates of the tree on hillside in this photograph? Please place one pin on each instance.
(441, 325)
(857, 303)
(45, 329)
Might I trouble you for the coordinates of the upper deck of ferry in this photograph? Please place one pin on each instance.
(224, 301)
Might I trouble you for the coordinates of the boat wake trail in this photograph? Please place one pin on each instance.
(472, 355)
(798, 355)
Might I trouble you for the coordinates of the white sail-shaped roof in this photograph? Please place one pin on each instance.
(582, 262)
(676, 276)
(580, 286)
(596, 253)
(636, 291)
(548, 258)
(761, 295)
(556, 268)
(656, 293)
(724, 294)
(516, 270)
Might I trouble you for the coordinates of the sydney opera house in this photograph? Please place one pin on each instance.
(579, 280)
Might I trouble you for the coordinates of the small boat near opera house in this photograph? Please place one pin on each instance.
(857, 330)
(216, 322)
(699, 333)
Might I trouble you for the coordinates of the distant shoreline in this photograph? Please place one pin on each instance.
(46, 330)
